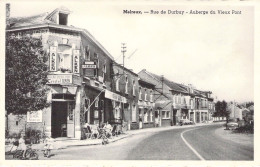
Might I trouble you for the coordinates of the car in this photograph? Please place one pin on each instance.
(186, 122)
(232, 125)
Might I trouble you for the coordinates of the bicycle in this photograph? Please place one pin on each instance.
(30, 154)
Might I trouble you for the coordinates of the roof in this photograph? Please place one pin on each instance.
(163, 105)
(172, 85)
(44, 21)
(120, 66)
(147, 83)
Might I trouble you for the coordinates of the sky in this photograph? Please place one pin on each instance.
(213, 52)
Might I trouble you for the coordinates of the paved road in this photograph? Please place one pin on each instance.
(165, 145)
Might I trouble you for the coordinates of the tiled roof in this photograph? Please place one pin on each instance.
(28, 21)
(42, 20)
(174, 86)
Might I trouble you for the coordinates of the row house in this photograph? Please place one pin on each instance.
(146, 104)
(125, 84)
(163, 115)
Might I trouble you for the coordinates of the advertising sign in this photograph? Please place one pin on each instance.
(53, 58)
(76, 61)
(114, 96)
(89, 66)
(60, 79)
(34, 116)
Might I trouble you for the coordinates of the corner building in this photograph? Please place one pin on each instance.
(79, 74)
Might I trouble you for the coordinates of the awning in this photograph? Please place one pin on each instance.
(163, 105)
(115, 97)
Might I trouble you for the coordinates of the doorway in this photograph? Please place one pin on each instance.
(62, 119)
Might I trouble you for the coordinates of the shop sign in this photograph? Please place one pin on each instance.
(76, 61)
(89, 66)
(114, 96)
(60, 79)
(89, 62)
(34, 116)
(53, 58)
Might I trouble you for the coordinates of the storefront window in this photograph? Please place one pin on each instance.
(151, 115)
(165, 114)
(145, 116)
(134, 113)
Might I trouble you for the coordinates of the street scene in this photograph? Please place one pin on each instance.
(67, 96)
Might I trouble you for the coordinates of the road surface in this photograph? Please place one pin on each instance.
(194, 143)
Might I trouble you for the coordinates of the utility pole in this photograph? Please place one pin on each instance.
(123, 50)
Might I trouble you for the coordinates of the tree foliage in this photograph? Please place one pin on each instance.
(221, 109)
(26, 75)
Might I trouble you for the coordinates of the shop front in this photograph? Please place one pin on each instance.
(64, 118)
(119, 103)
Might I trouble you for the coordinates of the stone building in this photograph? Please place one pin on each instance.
(79, 73)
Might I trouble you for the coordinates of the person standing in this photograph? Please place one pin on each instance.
(22, 145)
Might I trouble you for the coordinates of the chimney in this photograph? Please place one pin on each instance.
(7, 15)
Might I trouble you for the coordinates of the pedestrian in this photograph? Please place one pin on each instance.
(48, 147)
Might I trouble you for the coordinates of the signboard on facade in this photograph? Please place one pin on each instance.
(76, 61)
(60, 79)
(114, 96)
(89, 66)
(53, 58)
(34, 116)
(64, 79)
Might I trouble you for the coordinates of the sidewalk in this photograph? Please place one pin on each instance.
(62, 143)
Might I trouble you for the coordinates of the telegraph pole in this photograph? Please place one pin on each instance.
(123, 50)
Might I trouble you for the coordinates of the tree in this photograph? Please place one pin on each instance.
(222, 110)
(26, 75)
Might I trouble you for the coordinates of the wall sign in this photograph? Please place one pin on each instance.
(114, 96)
(60, 79)
(76, 61)
(53, 58)
(34, 116)
(89, 66)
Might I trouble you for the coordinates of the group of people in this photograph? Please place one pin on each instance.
(20, 144)
(95, 129)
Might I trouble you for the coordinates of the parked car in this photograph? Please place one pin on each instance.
(232, 125)
(186, 122)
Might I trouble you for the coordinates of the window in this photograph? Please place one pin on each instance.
(151, 115)
(140, 93)
(145, 95)
(117, 113)
(16, 123)
(166, 114)
(133, 87)
(151, 96)
(126, 85)
(87, 53)
(117, 84)
(96, 114)
(63, 19)
(96, 102)
(104, 71)
(65, 62)
(134, 113)
(145, 115)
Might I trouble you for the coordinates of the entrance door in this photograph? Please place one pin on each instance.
(58, 118)
(70, 120)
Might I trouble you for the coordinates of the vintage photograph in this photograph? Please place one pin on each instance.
(129, 81)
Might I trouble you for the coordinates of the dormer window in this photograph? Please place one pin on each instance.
(63, 19)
